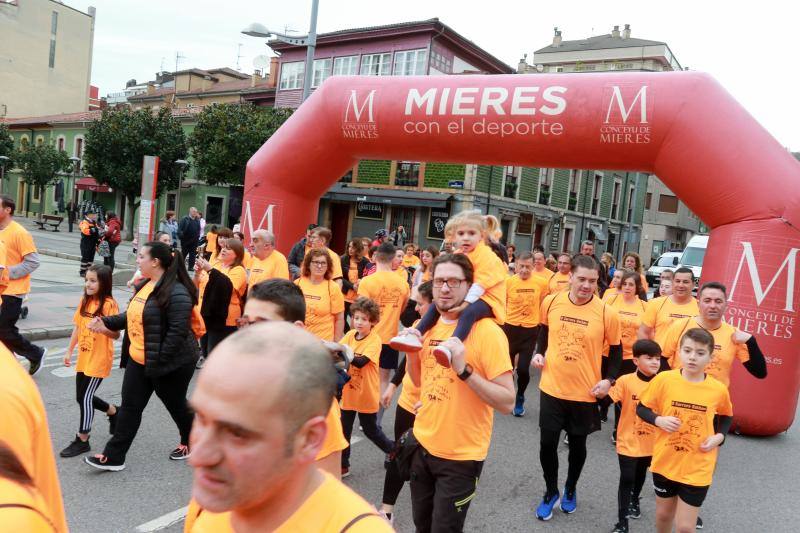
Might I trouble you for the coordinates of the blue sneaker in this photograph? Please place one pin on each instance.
(570, 501)
(519, 406)
(545, 509)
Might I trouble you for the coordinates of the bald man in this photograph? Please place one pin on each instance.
(261, 402)
(267, 262)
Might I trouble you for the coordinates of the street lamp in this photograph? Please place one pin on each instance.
(181, 166)
(309, 41)
(3, 160)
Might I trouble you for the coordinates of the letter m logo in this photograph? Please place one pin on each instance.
(356, 109)
(247, 219)
(749, 259)
(618, 113)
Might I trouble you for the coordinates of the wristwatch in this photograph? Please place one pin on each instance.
(466, 373)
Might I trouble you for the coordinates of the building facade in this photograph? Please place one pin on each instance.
(49, 65)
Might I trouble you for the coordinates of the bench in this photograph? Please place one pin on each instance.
(53, 221)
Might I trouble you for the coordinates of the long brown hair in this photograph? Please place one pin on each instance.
(104, 290)
(237, 248)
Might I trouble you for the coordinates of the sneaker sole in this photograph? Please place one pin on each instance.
(568, 512)
(548, 517)
(181, 458)
(67, 456)
(109, 468)
(442, 357)
(403, 347)
(519, 415)
(41, 362)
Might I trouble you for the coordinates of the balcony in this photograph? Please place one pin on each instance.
(544, 195)
(407, 174)
(572, 201)
(510, 189)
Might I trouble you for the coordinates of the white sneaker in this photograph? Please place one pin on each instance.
(406, 343)
(442, 355)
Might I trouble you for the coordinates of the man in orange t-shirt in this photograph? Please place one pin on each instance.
(21, 260)
(261, 404)
(454, 423)
(267, 262)
(560, 280)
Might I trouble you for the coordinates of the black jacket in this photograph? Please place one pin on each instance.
(216, 298)
(169, 342)
(189, 229)
(362, 264)
(297, 253)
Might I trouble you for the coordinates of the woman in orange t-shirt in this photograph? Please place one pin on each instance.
(95, 354)
(353, 266)
(324, 298)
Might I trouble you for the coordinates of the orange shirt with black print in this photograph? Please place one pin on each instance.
(725, 350)
(630, 318)
(454, 422)
(663, 311)
(95, 350)
(19, 243)
(409, 394)
(323, 301)
(558, 282)
(491, 274)
(274, 265)
(576, 337)
(135, 327)
(352, 277)
(524, 300)
(362, 392)
(635, 437)
(391, 293)
(677, 456)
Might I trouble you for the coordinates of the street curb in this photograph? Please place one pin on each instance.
(40, 334)
(73, 257)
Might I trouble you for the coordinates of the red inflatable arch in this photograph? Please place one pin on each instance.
(681, 126)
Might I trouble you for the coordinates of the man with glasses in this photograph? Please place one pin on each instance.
(267, 262)
(454, 424)
(560, 280)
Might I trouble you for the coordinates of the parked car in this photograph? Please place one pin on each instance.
(666, 260)
(693, 255)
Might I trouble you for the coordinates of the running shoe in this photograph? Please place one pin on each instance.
(570, 501)
(614, 437)
(699, 523)
(442, 355)
(200, 362)
(36, 366)
(621, 527)
(633, 509)
(76, 447)
(112, 421)
(101, 462)
(180, 453)
(545, 509)
(519, 406)
(406, 343)
(345, 472)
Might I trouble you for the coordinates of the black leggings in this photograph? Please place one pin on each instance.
(369, 421)
(85, 387)
(392, 482)
(548, 456)
(215, 336)
(632, 473)
(474, 312)
(521, 340)
(88, 248)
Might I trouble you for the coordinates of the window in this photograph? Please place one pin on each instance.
(53, 31)
(214, 207)
(410, 63)
(24, 142)
(545, 179)
(525, 224)
(345, 66)
(292, 75)
(647, 200)
(322, 71)
(171, 199)
(35, 196)
(631, 191)
(511, 183)
(60, 144)
(667, 203)
(39, 140)
(407, 174)
(375, 64)
(598, 190)
(441, 63)
(574, 183)
(78, 153)
(615, 199)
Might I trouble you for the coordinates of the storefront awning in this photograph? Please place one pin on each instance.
(599, 233)
(88, 183)
(387, 196)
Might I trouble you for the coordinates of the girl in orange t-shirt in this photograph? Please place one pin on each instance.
(470, 230)
(95, 354)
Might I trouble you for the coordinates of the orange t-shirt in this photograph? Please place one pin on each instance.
(26, 509)
(391, 293)
(95, 350)
(677, 455)
(247, 260)
(23, 426)
(491, 274)
(610, 293)
(409, 395)
(334, 438)
(337, 265)
(453, 422)
(238, 277)
(329, 509)
(524, 299)
(352, 277)
(577, 334)
(630, 318)
(402, 273)
(725, 350)
(663, 311)
(273, 266)
(411, 261)
(134, 322)
(635, 437)
(545, 274)
(362, 392)
(323, 302)
(19, 243)
(211, 243)
(558, 282)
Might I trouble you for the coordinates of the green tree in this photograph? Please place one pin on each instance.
(227, 135)
(117, 143)
(40, 166)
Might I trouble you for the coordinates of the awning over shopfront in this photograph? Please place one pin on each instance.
(387, 196)
(599, 232)
(88, 183)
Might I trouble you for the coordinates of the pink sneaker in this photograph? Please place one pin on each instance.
(442, 355)
(406, 343)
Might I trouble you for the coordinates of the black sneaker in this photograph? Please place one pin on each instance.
(101, 462)
(633, 509)
(76, 447)
(180, 453)
(699, 523)
(621, 527)
(614, 437)
(36, 366)
(112, 421)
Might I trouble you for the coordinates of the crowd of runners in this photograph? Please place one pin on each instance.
(294, 349)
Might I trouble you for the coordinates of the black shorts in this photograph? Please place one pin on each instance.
(389, 357)
(689, 494)
(576, 418)
(521, 340)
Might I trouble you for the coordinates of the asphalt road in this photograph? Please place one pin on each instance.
(756, 486)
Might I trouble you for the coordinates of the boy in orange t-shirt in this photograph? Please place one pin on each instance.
(361, 394)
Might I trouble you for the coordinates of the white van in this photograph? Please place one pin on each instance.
(693, 255)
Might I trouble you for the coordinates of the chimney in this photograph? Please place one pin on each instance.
(615, 32)
(556, 38)
(626, 33)
(254, 79)
(273, 72)
(150, 87)
(522, 66)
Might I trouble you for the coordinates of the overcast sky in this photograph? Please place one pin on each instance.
(752, 50)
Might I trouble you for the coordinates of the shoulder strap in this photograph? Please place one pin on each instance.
(358, 518)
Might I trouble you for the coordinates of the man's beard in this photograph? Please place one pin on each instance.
(450, 306)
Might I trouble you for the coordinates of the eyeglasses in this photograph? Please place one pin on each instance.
(323, 264)
(452, 283)
(244, 321)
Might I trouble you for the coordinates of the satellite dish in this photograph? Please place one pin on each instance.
(261, 62)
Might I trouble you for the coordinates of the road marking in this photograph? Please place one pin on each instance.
(164, 521)
(64, 372)
(354, 439)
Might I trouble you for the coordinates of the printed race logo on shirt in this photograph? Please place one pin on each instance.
(571, 338)
(438, 379)
(693, 418)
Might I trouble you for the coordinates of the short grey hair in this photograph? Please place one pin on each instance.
(267, 235)
(588, 243)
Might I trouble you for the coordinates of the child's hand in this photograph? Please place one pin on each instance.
(670, 424)
(67, 359)
(712, 442)
(538, 361)
(386, 397)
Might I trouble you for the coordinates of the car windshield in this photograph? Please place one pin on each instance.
(693, 257)
(666, 261)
